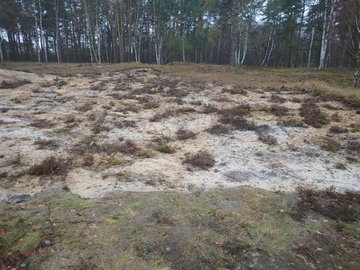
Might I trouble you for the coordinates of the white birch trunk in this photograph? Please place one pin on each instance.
(328, 20)
(310, 47)
(271, 50)
(89, 33)
(267, 50)
(1, 51)
(245, 44)
(42, 41)
(37, 35)
(183, 47)
(357, 65)
(56, 4)
(98, 37)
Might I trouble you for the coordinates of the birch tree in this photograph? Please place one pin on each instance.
(1, 50)
(57, 36)
(311, 47)
(328, 17)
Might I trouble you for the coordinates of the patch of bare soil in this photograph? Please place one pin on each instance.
(141, 130)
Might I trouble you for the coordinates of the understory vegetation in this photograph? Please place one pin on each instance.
(238, 228)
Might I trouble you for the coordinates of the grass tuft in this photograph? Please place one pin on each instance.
(75, 202)
(167, 149)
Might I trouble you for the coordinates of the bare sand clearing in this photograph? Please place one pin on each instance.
(105, 131)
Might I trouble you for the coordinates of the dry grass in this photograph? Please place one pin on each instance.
(331, 82)
(321, 88)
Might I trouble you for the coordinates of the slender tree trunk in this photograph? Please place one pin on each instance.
(90, 36)
(290, 39)
(1, 51)
(356, 77)
(183, 47)
(119, 29)
(324, 39)
(328, 20)
(37, 36)
(269, 48)
(56, 4)
(310, 47)
(218, 50)
(234, 10)
(299, 31)
(159, 40)
(232, 45)
(42, 41)
(238, 54)
(20, 51)
(98, 36)
(357, 66)
(245, 44)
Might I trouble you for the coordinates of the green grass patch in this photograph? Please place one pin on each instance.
(75, 202)
(173, 230)
(167, 149)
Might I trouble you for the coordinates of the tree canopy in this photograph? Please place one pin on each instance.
(285, 33)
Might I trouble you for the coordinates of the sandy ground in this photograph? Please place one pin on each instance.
(84, 122)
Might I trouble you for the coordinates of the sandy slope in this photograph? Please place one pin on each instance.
(84, 118)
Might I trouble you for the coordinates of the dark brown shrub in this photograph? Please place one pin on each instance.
(264, 136)
(47, 167)
(159, 116)
(329, 203)
(129, 148)
(279, 110)
(313, 115)
(237, 122)
(46, 143)
(338, 130)
(277, 99)
(202, 159)
(12, 85)
(218, 129)
(180, 93)
(353, 146)
(239, 110)
(330, 145)
(292, 123)
(151, 105)
(235, 91)
(209, 109)
(185, 110)
(184, 134)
